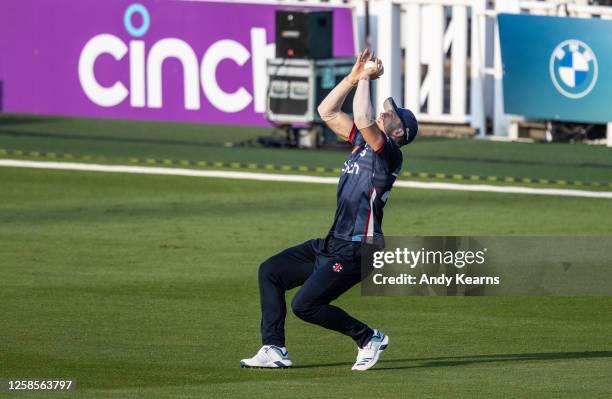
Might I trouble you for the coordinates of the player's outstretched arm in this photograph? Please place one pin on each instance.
(365, 119)
(329, 109)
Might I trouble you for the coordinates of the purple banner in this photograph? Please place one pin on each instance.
(171, 60)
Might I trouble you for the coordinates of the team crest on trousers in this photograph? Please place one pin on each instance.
(337, 267)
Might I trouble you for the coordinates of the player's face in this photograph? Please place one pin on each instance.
(388, 122)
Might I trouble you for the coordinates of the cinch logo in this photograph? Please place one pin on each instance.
(573, 68)
(351, 167)
(145, 87)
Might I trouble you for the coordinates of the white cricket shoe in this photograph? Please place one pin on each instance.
(269, 356)
(369, 354)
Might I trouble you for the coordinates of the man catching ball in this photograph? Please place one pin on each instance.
(327, 267)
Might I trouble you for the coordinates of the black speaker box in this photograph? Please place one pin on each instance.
(304, 34)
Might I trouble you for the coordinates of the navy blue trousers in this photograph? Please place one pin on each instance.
(325, 268)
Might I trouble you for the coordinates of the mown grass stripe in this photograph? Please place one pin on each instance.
(304, 168)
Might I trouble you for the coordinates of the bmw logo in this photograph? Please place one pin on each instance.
(573, 68)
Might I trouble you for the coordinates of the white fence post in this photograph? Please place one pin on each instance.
(477, 61)
(388, 49)
(412, 58)
(500, 119)
(609, 134)
(433, 54)
(458, 61)
(359, 24)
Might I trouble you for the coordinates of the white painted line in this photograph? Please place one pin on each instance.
(155, 170)
(504, 189)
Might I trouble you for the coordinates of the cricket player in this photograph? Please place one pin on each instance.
(327, 267)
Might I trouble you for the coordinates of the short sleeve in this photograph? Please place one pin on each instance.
(355, 137)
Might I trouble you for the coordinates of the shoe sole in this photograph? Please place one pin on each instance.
(277, 365)
(380, 350)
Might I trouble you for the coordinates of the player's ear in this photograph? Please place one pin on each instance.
(398, 132)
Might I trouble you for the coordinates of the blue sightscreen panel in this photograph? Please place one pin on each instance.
(556, 67)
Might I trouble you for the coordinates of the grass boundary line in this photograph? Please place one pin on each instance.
(171, 171)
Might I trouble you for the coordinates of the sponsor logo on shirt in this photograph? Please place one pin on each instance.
(351, 167)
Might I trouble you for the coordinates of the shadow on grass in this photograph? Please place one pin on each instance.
(397, 364)
(12, 120)
(111, 139)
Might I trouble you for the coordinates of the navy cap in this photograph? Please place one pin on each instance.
(406, 118)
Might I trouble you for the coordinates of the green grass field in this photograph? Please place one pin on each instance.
(146, 287)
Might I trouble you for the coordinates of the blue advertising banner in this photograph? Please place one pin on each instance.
(557, 68)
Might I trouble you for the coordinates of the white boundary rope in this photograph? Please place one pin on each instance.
(154, 170)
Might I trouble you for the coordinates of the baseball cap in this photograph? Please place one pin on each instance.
(405, 117)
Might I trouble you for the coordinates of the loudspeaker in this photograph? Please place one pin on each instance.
(304, 34)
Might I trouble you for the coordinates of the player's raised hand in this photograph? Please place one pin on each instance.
(373, 68)
(358, 68)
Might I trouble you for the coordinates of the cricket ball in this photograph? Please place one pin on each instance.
(370, 66)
